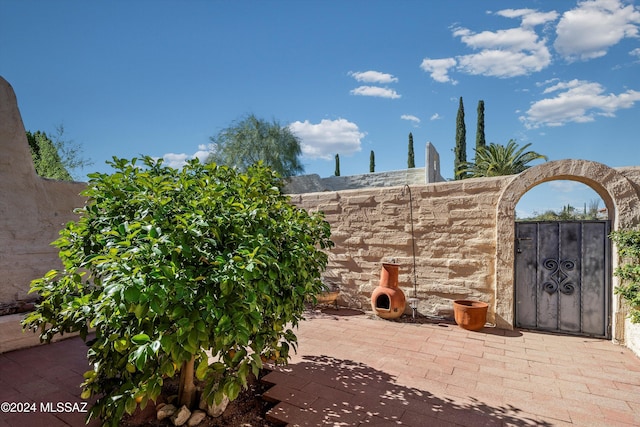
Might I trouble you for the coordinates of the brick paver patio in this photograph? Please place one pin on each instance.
(363, 371)
(355, 370)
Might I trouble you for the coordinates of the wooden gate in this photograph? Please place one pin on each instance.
(562, 277)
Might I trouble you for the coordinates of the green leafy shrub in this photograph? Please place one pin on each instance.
(166, 264)
(628, 242)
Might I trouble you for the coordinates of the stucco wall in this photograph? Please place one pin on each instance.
(32, 209)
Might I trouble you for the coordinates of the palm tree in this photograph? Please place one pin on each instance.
(497, 160)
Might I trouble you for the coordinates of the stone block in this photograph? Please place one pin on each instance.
(215, 409)
(166, 411)
(196, 418)
(181, 416)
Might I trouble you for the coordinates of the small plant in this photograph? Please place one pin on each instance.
(628, 242)
(169, 264)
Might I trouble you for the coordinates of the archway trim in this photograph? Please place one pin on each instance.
(617, 192)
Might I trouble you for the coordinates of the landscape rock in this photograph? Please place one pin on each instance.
(181, 416)
(166, 411)
(214, 410)
(196, 418)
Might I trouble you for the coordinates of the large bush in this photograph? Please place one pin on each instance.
(628, 271)
(166, 264)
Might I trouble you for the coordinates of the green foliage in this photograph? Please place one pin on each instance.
(411, 161)
(568, 213)
(166, 264)
(498, 160)
(628, 242)
(480, 139)
(460, 152)
(46, 158)
(372, 162)
(55, 158)
(337, 171)
(251, 140)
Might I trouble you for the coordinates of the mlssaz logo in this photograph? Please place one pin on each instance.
(63, 407)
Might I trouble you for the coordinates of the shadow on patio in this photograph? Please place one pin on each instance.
(323, 390)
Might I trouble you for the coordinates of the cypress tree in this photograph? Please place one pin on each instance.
(480, 141)
(372, 162)
(461, 143)
(411, 162)
(337, 172)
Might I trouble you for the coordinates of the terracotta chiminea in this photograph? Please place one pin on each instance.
(387, 300)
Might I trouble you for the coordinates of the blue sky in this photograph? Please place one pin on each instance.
(159, 78)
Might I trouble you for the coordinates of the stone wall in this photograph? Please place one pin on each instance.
(454, 230)
(464, 234)
(414, 176)
(463, 230)
(313, 183)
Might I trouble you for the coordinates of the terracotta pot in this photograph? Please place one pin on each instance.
(471, 315)
(329, 295)
(387, 300)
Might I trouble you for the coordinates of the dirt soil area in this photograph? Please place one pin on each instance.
(248, 410)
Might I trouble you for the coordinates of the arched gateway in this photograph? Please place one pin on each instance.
(618, 194)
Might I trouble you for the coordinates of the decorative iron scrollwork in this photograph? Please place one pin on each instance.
(559, 277)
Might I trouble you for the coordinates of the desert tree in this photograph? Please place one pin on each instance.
(252, 139)
(46, 159)
(55, 157)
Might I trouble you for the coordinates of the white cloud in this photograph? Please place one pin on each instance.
(635, 52)
(325, 139)
(373, 77)
(439, 69)
(504, 63)
(564, 186)
(503, 53)
(177, 160)
(530, 17)
(590, 29)
(436, 116)
(380, 92)
(410, 118)
(547, 82)
(576, 101)
(203, 151)
(512, 39)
